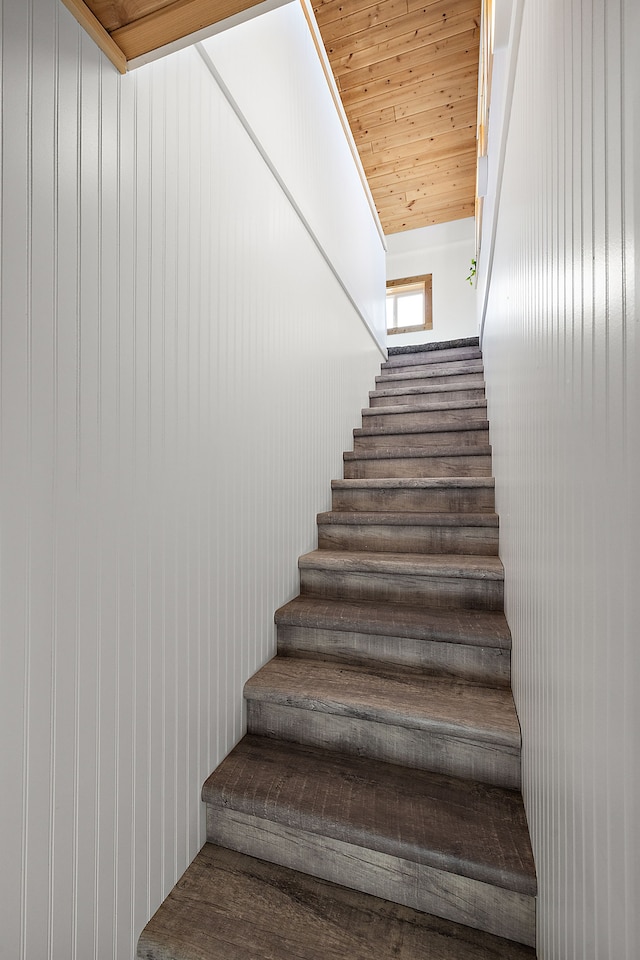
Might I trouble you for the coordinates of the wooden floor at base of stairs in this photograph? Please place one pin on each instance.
(228, 906)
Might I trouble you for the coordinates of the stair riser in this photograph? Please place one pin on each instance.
(481, 541)
(397, 422)
(402, 381)
(459, 466)
(415, 500)
(403, 441)
(444, 396)
(487, 665)
(431, 356)
(420, 749)
(441, 593)
(460, 368)
(471, 902)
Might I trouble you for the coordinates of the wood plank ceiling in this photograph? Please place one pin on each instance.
(407, 73)
(406, 70)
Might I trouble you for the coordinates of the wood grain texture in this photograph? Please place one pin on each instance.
(383, 695)
(420, 750)
(472, 829)
(405, 564)
(86, 18)
(408, 533)
(450, 421)
(478, 664)
(453, 433)
(398, 381)
(454, 897)
(237, 907)
(452, 363)
(408, 78)
(398, 395)
(115, 13)
(167, 23)
(412, 415)
(438, 592)
(399, 620)
(415, 494)
(429, 723)
(463, 369)
(458, 462)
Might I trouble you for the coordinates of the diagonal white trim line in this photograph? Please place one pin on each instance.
(265, 156)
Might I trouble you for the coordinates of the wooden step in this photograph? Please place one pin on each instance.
(443, 392)
(415, 416)
(470, 370)
(471, 533)
(440, 581)
(450, 431)
(400, 381)
(430, 723)
(424, 462)
(409, 360)
(228, 906)
(455, 848)
(471, 645)
(415, 495)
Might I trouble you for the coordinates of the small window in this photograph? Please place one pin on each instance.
(409, 304)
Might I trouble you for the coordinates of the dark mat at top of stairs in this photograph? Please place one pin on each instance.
(437, 345)
(228, 906)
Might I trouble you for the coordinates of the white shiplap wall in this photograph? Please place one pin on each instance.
(562, 355)
(180, 372)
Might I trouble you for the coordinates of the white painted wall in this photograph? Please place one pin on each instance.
(445, 251)
(273, 60)
(562, 358)
(180, 372)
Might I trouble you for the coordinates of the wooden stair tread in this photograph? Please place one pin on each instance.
(445, 369)
(228, 906)
(445, 355)
(421, 565)
(416, 483)
(431, 407)
(461, 826)
(391, 519)
(407, 453)
(448, 425)
(473, 627)
(433, 390)
(436, 704)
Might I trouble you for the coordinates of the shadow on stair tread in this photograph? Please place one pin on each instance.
(228, 906)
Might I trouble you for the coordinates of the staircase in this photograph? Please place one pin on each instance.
(373, 808)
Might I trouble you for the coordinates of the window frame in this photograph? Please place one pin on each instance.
(423, 283)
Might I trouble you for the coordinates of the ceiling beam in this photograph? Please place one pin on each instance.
(97, 33)
(174, 22)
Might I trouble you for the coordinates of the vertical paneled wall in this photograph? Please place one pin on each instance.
(563, 371)
(180, 374)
